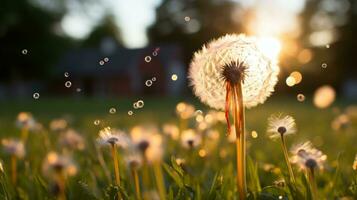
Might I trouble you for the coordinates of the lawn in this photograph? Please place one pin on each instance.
(207, 174)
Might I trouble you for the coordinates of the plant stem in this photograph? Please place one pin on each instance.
(116, 168)
(134, 173)
(238, 116)
(159, 180)
(24, 134)
(13, 169)
(311, 177)
(287, 160)
(62, 185)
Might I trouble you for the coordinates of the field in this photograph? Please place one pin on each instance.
(202, 172)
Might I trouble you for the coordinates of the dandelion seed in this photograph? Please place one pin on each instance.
(101, 62)
(96, 122)
(140, 103)
(148, 83)
(130, 113)
(324, 65)
(281, 126)
(112, 110)
(36, 95)
(106, 59)
(153, 78)
(187, 18)
(174, 77)
(147, 59)
(190, 139)
(300, 97)
(58, 125)
(24, 51)
(68, 84)
(66, 74)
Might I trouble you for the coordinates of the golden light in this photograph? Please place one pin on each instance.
(324, 96)
(254, 134)
(290, 81)
(305, 56)
(297, 76)
(174, 77)
(202, 153)
(270, 46)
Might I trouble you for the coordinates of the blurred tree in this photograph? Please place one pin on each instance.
(24, 25)
(191, 23)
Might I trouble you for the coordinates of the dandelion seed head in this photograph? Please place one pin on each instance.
(108, 136)
(14, 147)
(133, 159)
(232, 58)
(307, 157)
(279, 125)
(190, 139)
(72, 140)
(25, 120)
(58, 125)
(55, 163)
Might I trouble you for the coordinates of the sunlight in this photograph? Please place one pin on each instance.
(270, 46)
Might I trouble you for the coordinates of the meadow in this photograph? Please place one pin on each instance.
(202, 171)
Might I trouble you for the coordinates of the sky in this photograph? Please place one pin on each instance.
(135, 16)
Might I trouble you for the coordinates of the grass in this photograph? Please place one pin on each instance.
(202, 177)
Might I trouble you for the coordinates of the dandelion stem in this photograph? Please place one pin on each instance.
(146, 175)
(311, 177)
(13, 169)
(134, 173)
(160, 180)
(116, 167)
(290, 169)
(62, 185)
(238, 115)
(24, 134)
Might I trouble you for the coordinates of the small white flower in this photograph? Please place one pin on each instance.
(107, 136)
(231, 58)
(58, 125)
(14, 147)
(25, 120)
(171, 130)
(279, 125)
(133, 159)
(148, 142)
(72, 139)
(307, 157)
(190, 139)
(55, 163)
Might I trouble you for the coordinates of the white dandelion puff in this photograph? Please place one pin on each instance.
(108, 136)
(307, 157)
(58, 125)
(133, 159)
(55, 163)
(25, 120)
(190, 139)
(72, 139)
(228, 59)
(14, 147)
(279, 125)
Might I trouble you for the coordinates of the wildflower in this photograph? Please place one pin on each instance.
(25, 120)
(307, 157)
(55, 163)
(58, 125)
(171, 130)
(148, 142)
(107, 136)
(231, 73)
(185, 110)
(14, 147)
(72, 140)
(281, 126)
(189, 139)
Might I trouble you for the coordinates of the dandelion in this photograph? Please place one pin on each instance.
(308, 159)
(113, 138)
(72, 139)
(149, 143)
(16, 150)
(25, 122)
(279, 127)
(171, 130)
(59, 168)
(58, 125)
(134, 161)
(232, 73)
(190, 139)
